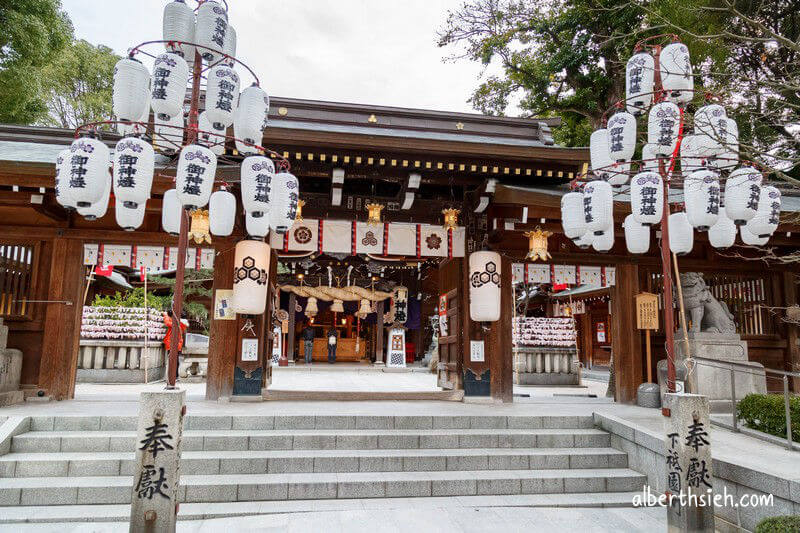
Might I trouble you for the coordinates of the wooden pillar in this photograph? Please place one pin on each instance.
(222, 347)
(379, 333)
(290, 334)
(62, 323)
(498, 341)
(626, 344)
(792, 361)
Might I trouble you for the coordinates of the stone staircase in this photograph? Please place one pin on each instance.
(69, 467)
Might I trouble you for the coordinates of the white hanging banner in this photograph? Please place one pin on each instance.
(611, 276)
(396, 348)
(458, 244)
(116, 255)
(517, 273)
(538, 274)
(403, 239)
(565, 274)
(337, 236)
(207, 258)
(432, 241)
(150, 257)
(90, 252)
(369, 239)
(303, 237)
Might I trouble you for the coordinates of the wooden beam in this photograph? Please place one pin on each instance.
(222, 347)
(626, 344)
(498, 348)
(792, 362)
(379, 327)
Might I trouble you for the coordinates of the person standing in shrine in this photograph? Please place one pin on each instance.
(332, 340)
(308, 342)
(184, 323)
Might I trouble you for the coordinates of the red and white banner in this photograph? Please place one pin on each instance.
(536, 273)
(402, 239)
(149, 258)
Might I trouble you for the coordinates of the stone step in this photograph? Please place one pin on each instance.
(128, 423)
(199, 511)
(306, 461)
(317, 439)
(257, 487)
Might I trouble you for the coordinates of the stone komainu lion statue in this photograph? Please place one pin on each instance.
(706, 312)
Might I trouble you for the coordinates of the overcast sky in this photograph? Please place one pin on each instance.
(380, 52)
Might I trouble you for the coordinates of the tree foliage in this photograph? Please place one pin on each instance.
(33, 33)
(193, 286)
(78, 85)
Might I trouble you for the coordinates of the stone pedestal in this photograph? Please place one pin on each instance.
(10, 371)
(690, 483)
(154, 498)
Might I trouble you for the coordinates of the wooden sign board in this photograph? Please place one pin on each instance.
(646, 311)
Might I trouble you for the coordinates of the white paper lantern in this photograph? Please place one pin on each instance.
(283, 202)
(751, 239)
(604, 241)
(250, 277)
(637, 236)
(168, 84)
(650, 158)
(639, 83)
(168, 132)
(63, 195)
(723, 233)
(139, 127)
(212, 26)
(221, 213)
(598, 205)
(221, 95)
(663, 126)
(573, 219)
(134, 164)
(250, 119)
(230, 46)
(209, 136)
(728, 157)
(618, 173)
(692, 157)
(584, 241)
(484, 286)
(712, 122)
(599, 153)
(131, 92)
(647, 198)
(256, 227)
(742, 194)
(171, 211)
(701, 194)
(129, 218)
(178, 25)
(621, 136)
(194, 178)
(88, 171)
(681, 234)
(768, 216)
(257, 184)
(676, 72)
(99, 208)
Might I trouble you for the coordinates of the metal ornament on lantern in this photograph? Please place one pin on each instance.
(537, 244)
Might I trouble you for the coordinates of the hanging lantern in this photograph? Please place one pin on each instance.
(209, 136)
(711, 120)
(604, 241)
(337, 306)
(131, 92)
(618, 173)
(374, 214)
(300, 205)
(584, 241)
(598, 205)
(257, 176)
(692, 156)
(637, 235)
(676, 73)
(750, 239)
(212, 25)
(723, 233)
(63, 196)
(681, 234)
(639, 83)
(599, 154)
(701, 195)
(742, 194)
(728, 158)
(171, 211)
(250, 119)
(250, 277)
(200, 227)
(663, 126)
(256, 227)
(573, 219)
(537, 244)
(283, 204)
(168, 85)
(768, 216)
(168, 133)
(128, 218)
(89, 178)
(484, 286)
(650, 158)
(137, 128)
(134, 164)
(222, 90)
(178, 25)
(194, 178)
(450, 218)
(222, 212)
(99, 208)
(230, 46)
(621, 136)
(311, 307)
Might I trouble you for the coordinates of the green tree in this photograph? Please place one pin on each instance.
(32, 33)
(193, 286)
(78, 85)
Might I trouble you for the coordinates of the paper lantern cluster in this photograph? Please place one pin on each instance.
(705, 156)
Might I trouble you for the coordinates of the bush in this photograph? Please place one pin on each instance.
(766, 413)
(134, 298)
(779, 524)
